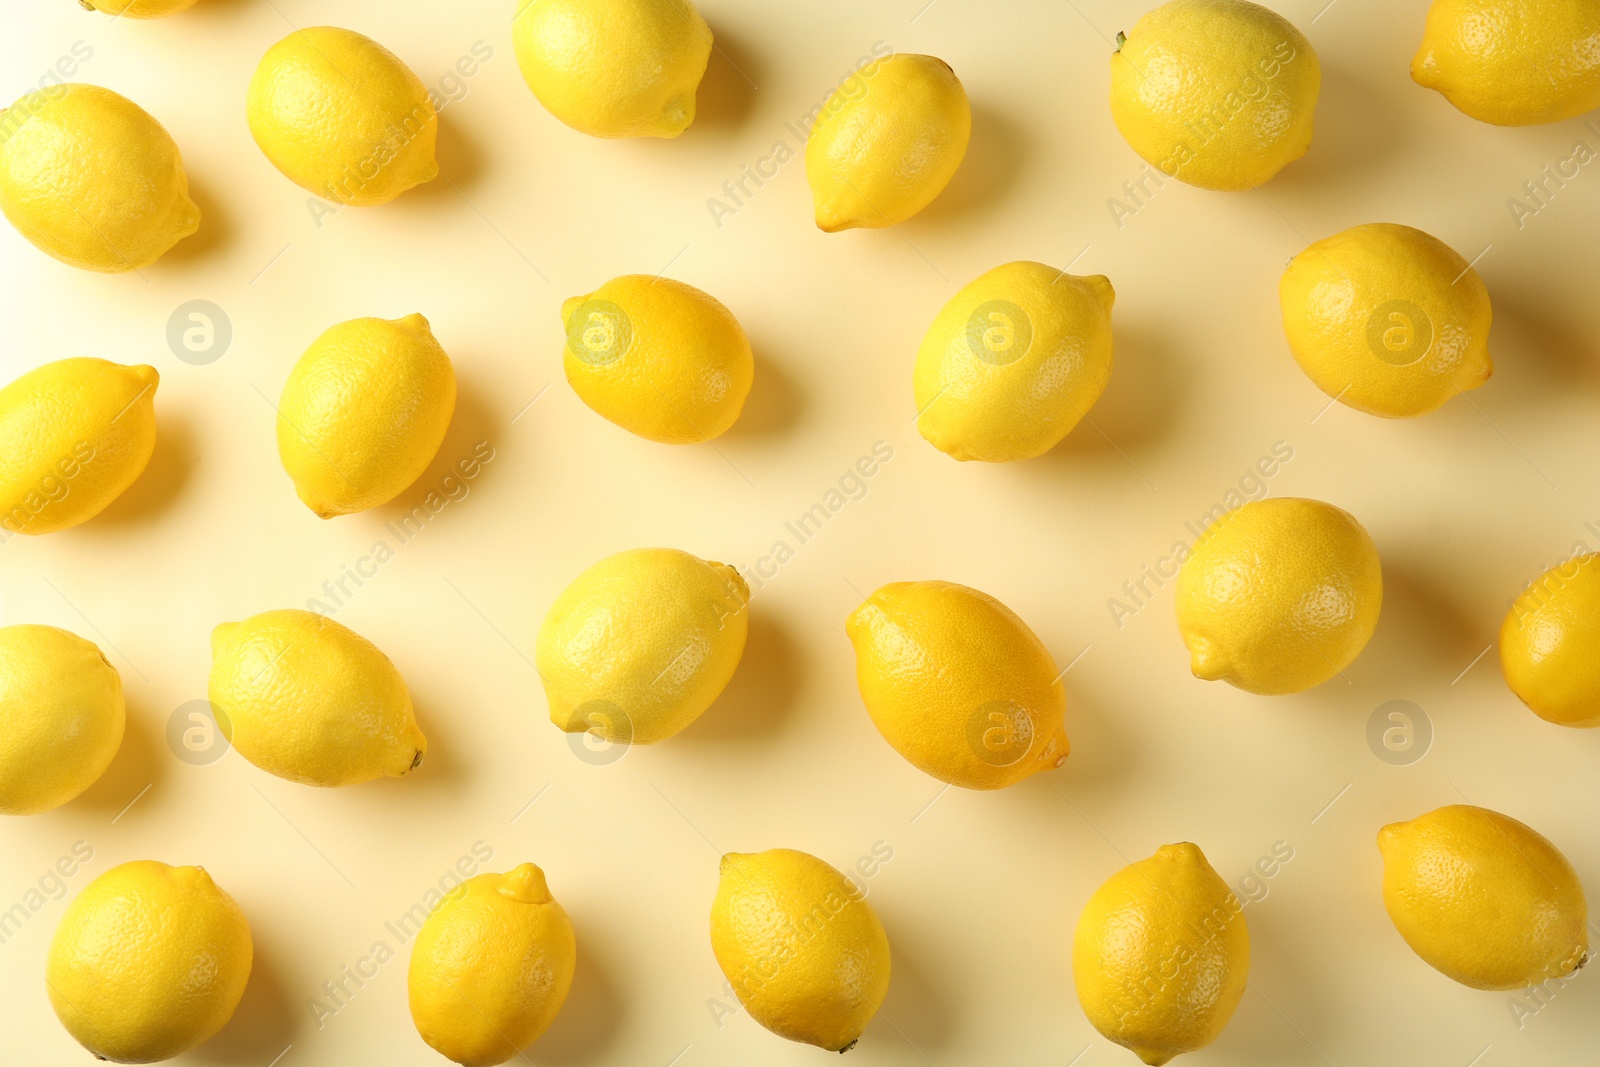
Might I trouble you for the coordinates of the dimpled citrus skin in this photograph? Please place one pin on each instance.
(342, 117)
(802, 948)
(73, 435)
(62, 717)
(614, 68)
(310, 700)
(1216, 93)
(364, 412)
(92, 179)
(1279, 595)
(1513, 62)
(1550, 644)
(148, 962)
(958, 685)
(491, 967)
(1387, 319)
(641, 644)
(998, 386)
(1168, 913)
(659, 358)
(139, 9)
(887, 145)
(1483, 899)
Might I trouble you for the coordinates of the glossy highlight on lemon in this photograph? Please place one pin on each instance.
(958, 684)
(1550, 643)
(887, 142)
(1484, 899)
(1387, 319)
(1216, 93)
(90, 178)
(491, 967)
(1161, 955)
(801, 947)
(138, 9)
(148, 962)
(1512, 64)
(1013, 362)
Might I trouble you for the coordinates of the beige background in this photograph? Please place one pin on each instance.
(983, 890)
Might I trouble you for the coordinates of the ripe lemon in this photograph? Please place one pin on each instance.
(887, 142)
(1550, 644)
(1512, 64)
(148, 962)
(307, 699)
(1013, 361)
(1216, 93)
(491, 967)
(958, 685)
(61, 717)
(641, 644)
(138, 9)
(1279, 596)
(1483, 899)
(1387, 319)
(342, 117)
(614, 68)
(73, 435)
(1161, 955)
(90, 178)
(364, 412)
(659, 358)
(802, 948)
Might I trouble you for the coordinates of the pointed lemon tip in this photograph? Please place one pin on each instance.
(219, 637)
(1388, 836)
(415, 321)
(1206, 661)
(526, 884)
(731, 861)
(573, 304)
(147, 376)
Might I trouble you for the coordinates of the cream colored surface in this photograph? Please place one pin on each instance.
(983, 890)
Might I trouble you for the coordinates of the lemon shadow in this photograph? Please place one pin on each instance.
(262, 1025)
(1535, 353)
(138, 765)
(1141, 402)
(727, 92)
(917, 1011)
(996, 157)
(1102, 750)
(461, 163)
(1354, 135)
(773, 406)
(592, 1016)
(163, 479)
(763, 692)
(216, 225)
(470, 437)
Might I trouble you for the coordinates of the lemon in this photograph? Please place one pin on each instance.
(957, 684)
(1550, 644)
(61, 717)
(1512, 64)
(1161, 955)
(1387, 319)
(342, 117)
(1013, 361)
(614, 68)
(802, 948)
(91, 179)
(148, 962)
(307, 699)
(1279, 595)
(138, 9)
(73, 435)
(887, 142)
(1216, 93)
(491, 967)
(659, 358)
(1483, 899)
(364, 412)
(641, 643)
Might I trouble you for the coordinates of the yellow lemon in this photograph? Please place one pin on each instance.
(1550, 643)
(1279, 595)
(342, 117)
(659, 358)
(73, 435)
(138, 9)
(1161, 955)
(1387, 319)
(491, 967)
(307, 699)
(1216, 93)
(1512, 64)
(1483, 899)
(958, 685)
(148, 962)
(641, 644)
(61, 717)
(802, 948)
(364, 412)
(887, 142)
(90, 178)
(614, 68)
(1013, 361)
